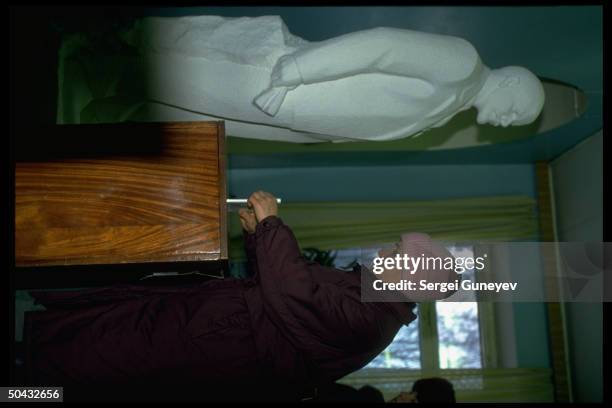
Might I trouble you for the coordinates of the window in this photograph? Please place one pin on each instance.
(459, 326)
(403, 352)
(446, 335)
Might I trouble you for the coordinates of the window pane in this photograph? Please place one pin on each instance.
(459, 335)
(346, 257)
(403, 352)
(458, 326)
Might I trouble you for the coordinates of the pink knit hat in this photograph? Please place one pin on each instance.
(420, 245)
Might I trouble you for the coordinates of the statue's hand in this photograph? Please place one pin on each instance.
(285, 77)
(286, 73)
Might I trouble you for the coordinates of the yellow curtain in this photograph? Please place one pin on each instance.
(334, 225)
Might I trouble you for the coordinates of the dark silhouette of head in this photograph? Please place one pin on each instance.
(434, 390)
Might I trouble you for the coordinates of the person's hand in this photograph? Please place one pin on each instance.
(248, 220)
(263, 204)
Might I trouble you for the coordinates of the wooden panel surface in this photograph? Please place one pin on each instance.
(120, 193)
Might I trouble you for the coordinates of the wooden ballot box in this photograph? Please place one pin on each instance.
(128, 195)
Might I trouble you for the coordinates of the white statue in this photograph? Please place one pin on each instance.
(377, 84)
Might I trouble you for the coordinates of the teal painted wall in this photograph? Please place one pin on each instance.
(383, 183)
(530, 326)
(578, 184)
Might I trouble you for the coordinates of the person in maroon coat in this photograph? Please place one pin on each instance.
(290, 327)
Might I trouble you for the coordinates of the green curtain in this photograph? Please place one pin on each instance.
(471, 385)
(334, 225)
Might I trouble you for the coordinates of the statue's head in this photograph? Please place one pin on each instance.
(511, 96)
